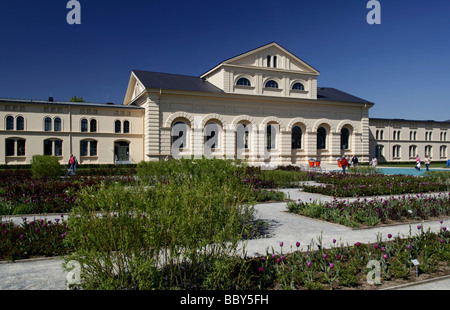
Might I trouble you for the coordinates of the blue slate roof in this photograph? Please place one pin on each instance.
(168, 81)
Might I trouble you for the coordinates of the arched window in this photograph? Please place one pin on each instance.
(53, 147)
(117, 126)
(345, 134)
(271, 84)
(88, 148)
(15, 147)
(20, 147)
(9, 144)
(298, 86)
(48, 124)
(243, 82)
(84, 125)
(271, 136)
(296, 138)
(212, 135)
(9, 122)
(83, 148)
(443, 151)
(274, 61)
(428, 150)
(321, 138)
(58, 147)
(242, 134)
(121, 151)
(57, 124)
(179, 134)
(379, 150)
(20, 123)
(412, 151)
(268, 60)
(126, 127)
(396, 151)
(93, 125)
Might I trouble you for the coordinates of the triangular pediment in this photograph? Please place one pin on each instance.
(271, 56)
(134, 89)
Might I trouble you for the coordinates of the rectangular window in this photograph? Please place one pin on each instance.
(48, 144)
(9, 147)
(83, 148)
(21, 147)
(58, 147)
(93, 149)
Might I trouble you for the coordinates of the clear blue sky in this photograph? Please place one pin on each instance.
(402, 65)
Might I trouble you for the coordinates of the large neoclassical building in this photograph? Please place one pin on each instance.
(263, 106)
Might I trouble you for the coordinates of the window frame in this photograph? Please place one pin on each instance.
(272, 84)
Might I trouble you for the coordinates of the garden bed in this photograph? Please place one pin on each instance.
(353, 185)
(200, 210)
(370, 212)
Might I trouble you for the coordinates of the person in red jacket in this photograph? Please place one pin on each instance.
(344, 163)
(71, 162)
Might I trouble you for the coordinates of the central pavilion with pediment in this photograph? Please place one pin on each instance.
(270, 92)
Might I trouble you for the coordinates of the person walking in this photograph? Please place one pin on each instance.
(418, 163)
(354, 161)
(75, 164)
(71, 162)
(427, 162)
(344, 163)
(374, 161)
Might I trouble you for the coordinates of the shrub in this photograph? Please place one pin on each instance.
(183, 231)
(45, 166)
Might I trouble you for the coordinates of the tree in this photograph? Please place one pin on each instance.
(76, 99)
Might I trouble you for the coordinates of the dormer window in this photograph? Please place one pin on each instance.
(298, 86)
(271, 84)
(243, 82)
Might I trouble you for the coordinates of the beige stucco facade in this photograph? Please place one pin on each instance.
(31, 127)
(263, 106)
(403, 140)
(257, 104)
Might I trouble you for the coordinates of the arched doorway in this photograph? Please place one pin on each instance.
(121, 151)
